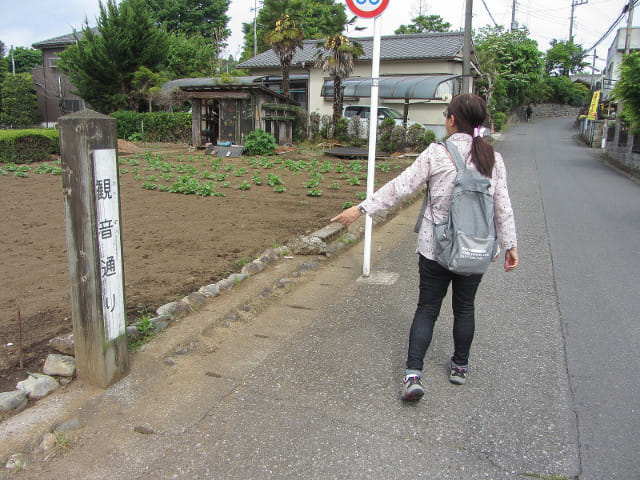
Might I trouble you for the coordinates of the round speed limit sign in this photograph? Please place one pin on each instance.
(367, 8)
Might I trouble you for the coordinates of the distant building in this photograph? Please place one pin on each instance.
(611, 72)
(55, 92)
(419, 73)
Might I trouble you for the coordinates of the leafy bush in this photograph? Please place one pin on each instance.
(153, 126)
(18, 103)
(26, 146)
(562, 90)
(326, 126)
(499, 119)
(390, 139)
(299, 132)
(341, 130)
(314, 124)
(429, 137)
(259, 142)
(357, 132)
(418, 138)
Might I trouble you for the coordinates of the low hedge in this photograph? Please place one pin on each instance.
(27, 146)
(153, 126)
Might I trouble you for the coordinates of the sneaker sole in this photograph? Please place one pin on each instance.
(413, 396)
(457, 380)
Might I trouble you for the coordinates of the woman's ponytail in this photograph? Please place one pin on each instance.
(470, 112)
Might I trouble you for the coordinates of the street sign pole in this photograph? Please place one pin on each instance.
(373, 135)
(371, 9)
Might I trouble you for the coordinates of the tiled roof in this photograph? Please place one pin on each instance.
(62, 40)
(418, 46)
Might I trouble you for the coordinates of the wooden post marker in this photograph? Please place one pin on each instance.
(88, 147)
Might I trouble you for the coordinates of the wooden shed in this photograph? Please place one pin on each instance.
(225, 112)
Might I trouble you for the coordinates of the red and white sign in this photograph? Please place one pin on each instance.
(367, 8)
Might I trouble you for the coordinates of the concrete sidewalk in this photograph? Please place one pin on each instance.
(307, 384)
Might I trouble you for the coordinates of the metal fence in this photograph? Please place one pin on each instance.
(624, 135)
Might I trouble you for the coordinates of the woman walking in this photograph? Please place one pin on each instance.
(463, 121)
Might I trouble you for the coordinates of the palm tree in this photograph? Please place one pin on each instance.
(337, 56)
(285, 39)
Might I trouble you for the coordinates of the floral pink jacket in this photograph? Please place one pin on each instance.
(436, 166)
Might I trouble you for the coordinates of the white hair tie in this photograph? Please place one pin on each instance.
(478, 132)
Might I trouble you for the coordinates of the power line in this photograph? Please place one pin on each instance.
(625, 9)
(489, 12)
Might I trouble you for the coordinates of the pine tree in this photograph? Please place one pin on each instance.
(101, 65)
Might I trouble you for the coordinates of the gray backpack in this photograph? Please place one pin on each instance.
(465, 242)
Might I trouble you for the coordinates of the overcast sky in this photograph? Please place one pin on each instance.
(24, 22)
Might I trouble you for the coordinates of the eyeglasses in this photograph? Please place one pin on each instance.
(445, 114)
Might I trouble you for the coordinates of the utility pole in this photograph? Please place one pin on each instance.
(466, 49)
(513, 16)
(255, 29)
(574, 4)
(593, 70)
(627, 41)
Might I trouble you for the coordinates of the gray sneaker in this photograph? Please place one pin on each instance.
(458, 374)
(412, 388)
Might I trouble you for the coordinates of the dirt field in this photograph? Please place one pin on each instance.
(173, 243)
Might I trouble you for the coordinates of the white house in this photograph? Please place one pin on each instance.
(419, 73)
(611, 72)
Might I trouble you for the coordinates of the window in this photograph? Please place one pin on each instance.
(53, 62)
(69, 106)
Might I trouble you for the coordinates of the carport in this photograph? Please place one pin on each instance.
(410, 88)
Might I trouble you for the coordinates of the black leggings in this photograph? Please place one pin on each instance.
(434, 282)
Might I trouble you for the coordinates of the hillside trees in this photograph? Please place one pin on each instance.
(512, 67)
(563, 58)
(102, 66)
(191, 17)
(316, 18)
(425, 24)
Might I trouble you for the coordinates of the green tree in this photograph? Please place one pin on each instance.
(425, 24)
(102, 66)
(337, 55)
(26, 58)
(560, 89)
(148, 84)
(511, 65)
(316, 18)
(627, 90)
(19, 103)
(3, 63)
(285, 38)
(563, 58)
(191, 17)
(190, 56)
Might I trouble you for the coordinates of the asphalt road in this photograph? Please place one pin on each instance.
(593, 221)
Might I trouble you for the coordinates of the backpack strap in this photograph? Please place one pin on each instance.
(425, 201)
(455, 154)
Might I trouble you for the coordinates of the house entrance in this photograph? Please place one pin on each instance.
(211, 121)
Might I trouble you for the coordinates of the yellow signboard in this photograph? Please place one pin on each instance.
(594, 105)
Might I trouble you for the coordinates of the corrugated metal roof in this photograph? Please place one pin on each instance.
(203, 82)
(410, 86)
(417, 46)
